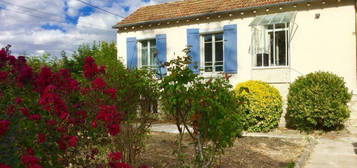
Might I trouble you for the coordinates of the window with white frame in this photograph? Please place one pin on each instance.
(275, 51)
(212, 54)
(147, 54)
(271, 39)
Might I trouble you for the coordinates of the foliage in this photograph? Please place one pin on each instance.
(103, 52)
(264, 108)
(37, 62)
(207, 105)
(137, 94)
(49, 119)
(318, 101)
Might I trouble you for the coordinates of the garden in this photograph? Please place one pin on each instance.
(89, 110)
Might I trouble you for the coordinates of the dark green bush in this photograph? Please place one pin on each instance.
(318, 101)
(264, 106)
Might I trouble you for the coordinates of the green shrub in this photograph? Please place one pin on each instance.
(209, 106)
(318, 101)
(264, 107)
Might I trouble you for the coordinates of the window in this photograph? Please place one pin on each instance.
(271, 39)
(213, 52)
(275, 51)
(147, 54)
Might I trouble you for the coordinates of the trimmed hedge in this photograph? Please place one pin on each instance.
(264, 108)
(318, 101)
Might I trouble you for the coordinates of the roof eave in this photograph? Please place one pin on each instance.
(117, 26)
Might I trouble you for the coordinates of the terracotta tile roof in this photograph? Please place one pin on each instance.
(185, 8)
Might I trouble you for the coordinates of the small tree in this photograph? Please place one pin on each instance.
(207, 105)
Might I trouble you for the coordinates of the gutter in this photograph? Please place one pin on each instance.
(117, 26)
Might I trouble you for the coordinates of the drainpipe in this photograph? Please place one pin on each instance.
(356, 39)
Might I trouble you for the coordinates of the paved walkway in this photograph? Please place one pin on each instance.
(340, 152)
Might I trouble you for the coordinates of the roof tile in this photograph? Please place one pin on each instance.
(190, 7)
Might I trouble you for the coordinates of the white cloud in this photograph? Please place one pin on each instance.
(25, 34)
(73, 7)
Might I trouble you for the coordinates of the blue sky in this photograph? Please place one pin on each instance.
(34, 27)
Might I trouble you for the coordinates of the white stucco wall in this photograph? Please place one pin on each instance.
(326, 44)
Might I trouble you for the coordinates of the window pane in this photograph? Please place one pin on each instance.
(259, 60)
(219, 56)
(208, 38)
(280, 48)
(144, 44)
(208, 57)
(271, 42)
(219, 37)
(279, 26)
(270, 27)
(153, 54)
(153, 43)
(266, 59)
(144, 56)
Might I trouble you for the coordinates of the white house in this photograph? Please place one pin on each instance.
(270, 40)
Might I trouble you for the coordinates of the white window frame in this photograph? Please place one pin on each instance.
(139, 45)
(202, 55)
(286, 29)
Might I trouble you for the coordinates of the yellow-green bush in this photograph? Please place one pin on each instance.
(318, 101)
(264, 106)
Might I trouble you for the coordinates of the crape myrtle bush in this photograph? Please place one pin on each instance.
(263, 109)
(207, 105)
(49, 119)
(136, 95)
(318, 101)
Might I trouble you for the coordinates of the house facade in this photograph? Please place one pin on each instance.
(270, 40)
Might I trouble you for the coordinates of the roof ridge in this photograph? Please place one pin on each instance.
(187, 8)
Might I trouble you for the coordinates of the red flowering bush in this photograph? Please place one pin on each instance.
(49, 119)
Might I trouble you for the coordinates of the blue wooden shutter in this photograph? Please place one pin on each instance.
(230, 48)
(161, 52)
(193, 40)
(131, 53)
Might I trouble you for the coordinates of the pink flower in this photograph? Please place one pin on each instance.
(30, 151)
(63, 115)
(102, 69)
(51, 122)
(61, 129)
(110, 92)
(18, 100)
(4, 166)
(4, 126)
(72, 141)
(44, 79)
(114, 156)
(34, 117)
(90, 68)
(108, 114)
(41, 138)
(98, 83)
(25, 111)
(3, 75)
(29, 159)
(119, 165)
(24, 75)
(113, 129)
(81, 114)
(10, 110)
(61, 145)
(94, 124)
